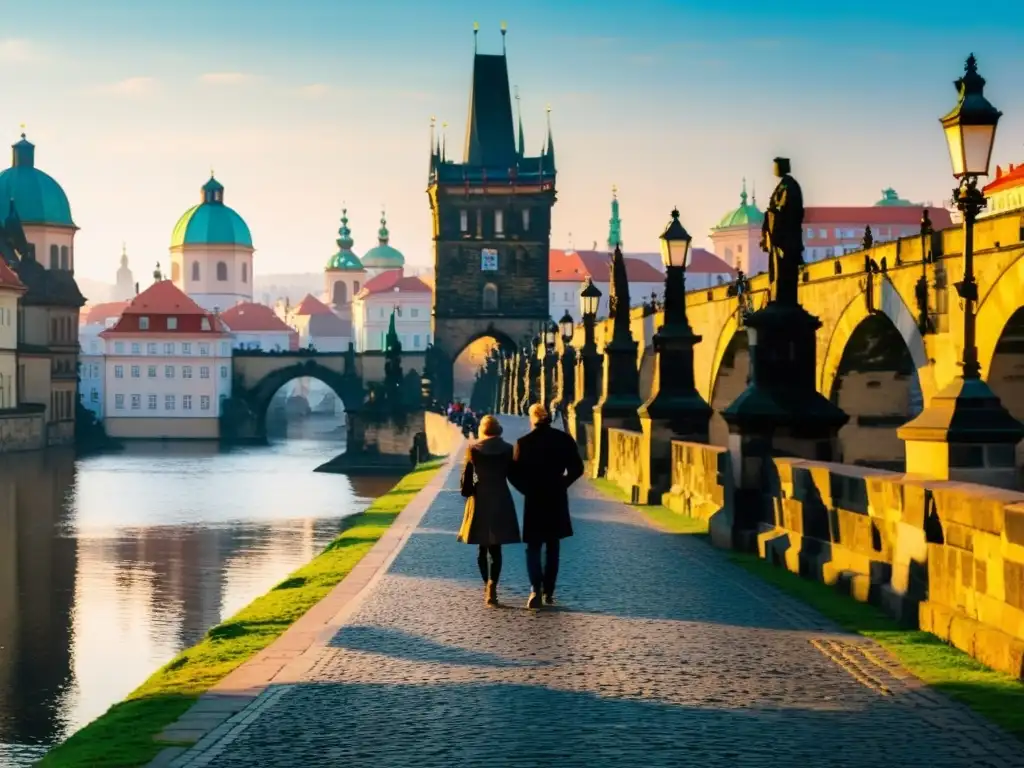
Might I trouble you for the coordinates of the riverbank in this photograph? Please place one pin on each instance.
(125, 735)
(993, 695)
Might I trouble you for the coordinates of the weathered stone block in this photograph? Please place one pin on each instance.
(1013, 525)
(1013, 583)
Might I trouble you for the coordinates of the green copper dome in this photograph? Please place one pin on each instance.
(746, 215)
(891, 200)
(37, 197)
(383, 256)
(211, 222)
(344, 258)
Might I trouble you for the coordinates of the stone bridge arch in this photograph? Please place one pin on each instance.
(258, 397)
(856, 312)
(460, 335)
(997, 306)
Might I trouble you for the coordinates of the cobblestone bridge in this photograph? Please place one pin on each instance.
(662, 652)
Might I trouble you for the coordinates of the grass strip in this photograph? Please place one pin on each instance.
(996, 696)
(123, 737)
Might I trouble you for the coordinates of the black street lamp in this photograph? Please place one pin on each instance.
(582, 408)
(979, 434)
(565, 383)
(547, 376)
(675, 411)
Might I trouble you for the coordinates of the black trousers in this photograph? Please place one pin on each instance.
(489, 571)
(543, 578)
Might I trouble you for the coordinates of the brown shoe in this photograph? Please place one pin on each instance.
(491, 593)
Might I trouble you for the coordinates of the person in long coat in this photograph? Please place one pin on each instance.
(489, 520)
(546, 463)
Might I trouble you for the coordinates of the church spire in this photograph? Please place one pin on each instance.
(549, 151)
(615, 223)
(743, 194)
(519, 118)
(382, 233)
(124, 255)
(344, 241)
(490, 130)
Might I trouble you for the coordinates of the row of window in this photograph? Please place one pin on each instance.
(152, 402)
(413, 312)
(499, 222)
(849, 234)
(221, 272)
(63, 330)
(408, 342)
(151, 371)
(169, 348)
(60, 257)
(6, 317)
(172, 323)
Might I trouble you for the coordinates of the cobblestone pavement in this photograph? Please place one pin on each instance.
(661, 653)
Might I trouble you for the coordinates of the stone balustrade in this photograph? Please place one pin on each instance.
(626, 467)
(948, 557)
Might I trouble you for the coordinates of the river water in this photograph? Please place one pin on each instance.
(111, 564)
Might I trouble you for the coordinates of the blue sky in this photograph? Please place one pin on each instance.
(303, 106)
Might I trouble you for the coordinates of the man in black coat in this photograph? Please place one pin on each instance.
(545, 463)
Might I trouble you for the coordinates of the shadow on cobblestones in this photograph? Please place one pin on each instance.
(410, 647)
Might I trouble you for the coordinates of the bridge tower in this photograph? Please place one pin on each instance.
(491, 225)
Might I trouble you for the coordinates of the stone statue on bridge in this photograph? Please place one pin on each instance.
(782, 235)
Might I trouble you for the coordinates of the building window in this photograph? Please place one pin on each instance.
(245, 272)
(54, 257)
(414, 312)
(186, 371)
(151, 371)
(416, 341)
(151, 402)
(479, 223)
(739, 248)
(136, 349)
(204, 402)
(195, 270)
(94, 395)
(143, 323)
(499, 223)
(204, 350)
(464, 220)
(223, 371)
(65, 262)
(168, 371)
(135, 372)
(186, 402)
(168, 402)
(355, 287)
(490, 297)
(204, 372)
(222, 271)
(225, 348)
(119, 402)
(151, 348)
(526, 219)
(186, 348)
(810, 234)
(172, 323)
(339, 295)
(118, 371)
(169, 348)
(136, 402)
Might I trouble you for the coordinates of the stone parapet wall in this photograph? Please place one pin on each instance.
(443, 437)
(625, 461)
(948, 557)
(22, 431)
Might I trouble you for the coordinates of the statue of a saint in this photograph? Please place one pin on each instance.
(782, 235)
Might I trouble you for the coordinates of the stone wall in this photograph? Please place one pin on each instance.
(948, 557)
(22, 430)
(443, 437)
(626, 467)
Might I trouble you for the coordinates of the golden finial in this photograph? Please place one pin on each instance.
(23, 130)
(211, 171)
(615, 190)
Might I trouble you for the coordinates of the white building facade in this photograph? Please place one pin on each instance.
(411, 298)
(167, 368)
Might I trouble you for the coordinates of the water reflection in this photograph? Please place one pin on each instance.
(110, 565)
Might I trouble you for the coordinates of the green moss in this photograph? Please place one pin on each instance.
(993, 695)
(124, 735)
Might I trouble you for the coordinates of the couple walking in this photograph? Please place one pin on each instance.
(542, 466)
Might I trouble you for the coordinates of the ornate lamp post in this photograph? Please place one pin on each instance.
(564, 375)
(581, 410)
(534, 372)
(676, 411)
(965, 433)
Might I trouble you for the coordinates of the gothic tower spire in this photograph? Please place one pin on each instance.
(614, 223)
(490, 132)
(549, 151)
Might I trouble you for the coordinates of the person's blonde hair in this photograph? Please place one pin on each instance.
(538, 413)
(489, 427)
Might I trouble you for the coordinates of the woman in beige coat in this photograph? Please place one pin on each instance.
(490, 516)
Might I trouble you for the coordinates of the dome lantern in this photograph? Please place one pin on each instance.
(747, 215)
(383, 256)
(39, 198)
(344, 259)
(211, 222)
(23, 154)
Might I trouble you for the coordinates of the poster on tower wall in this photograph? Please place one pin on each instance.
(488, 260)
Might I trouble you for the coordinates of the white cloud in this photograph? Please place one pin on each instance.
(16, 51)
(225, 78)
(131, 86)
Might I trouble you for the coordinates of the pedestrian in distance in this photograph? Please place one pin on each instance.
(489, 519)
(546, 462)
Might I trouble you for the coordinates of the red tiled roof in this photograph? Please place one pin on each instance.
(161, 301)
(311, 305)
(100, 313)
(704, 262)
(8, 279)
(394, 280)
(574, 266)
(876, 215)
(250, 316)
(1013, 176)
